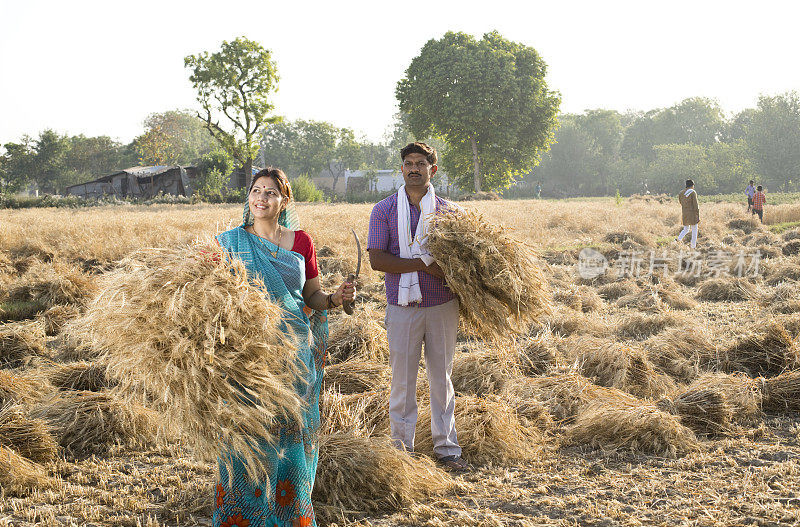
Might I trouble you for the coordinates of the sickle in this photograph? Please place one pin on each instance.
(348, 306)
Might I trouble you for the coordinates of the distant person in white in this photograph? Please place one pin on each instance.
(750, 191)
(690, 212)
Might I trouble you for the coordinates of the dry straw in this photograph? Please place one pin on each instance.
(360, 337)
(356, 376)
(54, 283)
(501, 287)
(481, 372)
(20, 340)
(17, 387)
(359, 413)
(680, 351)
(571, 323)
(730, 288)
(615, 365)
(637, 426)
(79, 376)
(640, 326)
(29, 437)
(187, 331)
(489, 431)
(538, 354)
(369, 475)
(18, 475)
(716, 400)
(90, 422)
(617, 290)
(56, 317)
(782, 393)
(765, 352)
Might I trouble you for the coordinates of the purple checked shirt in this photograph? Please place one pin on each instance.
(383, 236)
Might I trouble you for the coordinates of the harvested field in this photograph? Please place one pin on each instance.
(635, 383)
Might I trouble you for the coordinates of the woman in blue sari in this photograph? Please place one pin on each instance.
(284, 258)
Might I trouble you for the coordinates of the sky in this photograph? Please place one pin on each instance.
(101, 67)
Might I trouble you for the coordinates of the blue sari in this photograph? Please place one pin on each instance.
(285, 498)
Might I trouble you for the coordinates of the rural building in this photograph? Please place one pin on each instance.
(380, 181)
(139, 182)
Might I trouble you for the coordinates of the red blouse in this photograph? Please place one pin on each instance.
(304, 245)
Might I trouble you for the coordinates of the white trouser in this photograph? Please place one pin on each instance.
(685, 231)
(407, 328)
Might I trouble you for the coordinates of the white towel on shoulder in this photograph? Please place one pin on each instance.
(409, 291)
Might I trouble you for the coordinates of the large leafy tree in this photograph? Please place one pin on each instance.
(487, 99)
(184, 132)
(773, 138)
(235, 83)
(16, 165)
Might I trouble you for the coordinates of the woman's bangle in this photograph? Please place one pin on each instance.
(329, 301)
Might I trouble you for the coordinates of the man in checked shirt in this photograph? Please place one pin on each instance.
(759, 199)
(420, 307)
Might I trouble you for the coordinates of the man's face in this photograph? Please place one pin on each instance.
(417, 171)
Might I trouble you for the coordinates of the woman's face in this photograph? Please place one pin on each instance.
(266, 201)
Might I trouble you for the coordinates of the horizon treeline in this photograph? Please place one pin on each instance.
(595, 153)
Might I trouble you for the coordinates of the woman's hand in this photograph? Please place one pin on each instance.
(345, 293)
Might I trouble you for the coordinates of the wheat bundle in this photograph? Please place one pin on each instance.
(715, 400)
(637, 426)
(360, 413)
(18, 475)
(19, 340)
(566, 324)
(481, 372)
(790, 322)
(766, 352)
(532, 412)
(791, 248)
(356, 376)
(29, 437)
(621, 237)
(368, 474)
(54, 283)
(569, 297)
(590, 299)
(501, 287)
(90, 422)
(639, 326)
(781, 393)
(361, 336)
(538, 354)
(646, 301)
(79, 376)
(676, 299)
(56, 317)
(187, 332)
(615, 365)
(786, 306)
(16, 387)
(726, 289)
(488, 429)
(747, 225)
(679, 352)
(783, 272)
(617, 290)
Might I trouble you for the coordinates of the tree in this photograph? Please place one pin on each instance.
(155, 148)
(16, 165)
(487, 99)
(92, 157)
(185, 133)
(235, 82)
(773, 139)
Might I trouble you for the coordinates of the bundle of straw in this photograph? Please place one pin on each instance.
(361, 413)
(361, 336)
(356, 376)
(16, 387)
(29, 437)
(635, 426)
(489, 431)
(782, 393)
(54, 283)
(680, 352)
(187, 332)
(500, 285)
(18, 475)
(537, 355)
(20, 340)
(79, 376)
(616, 290)
(639, 326)
(726, 289)
(90, 422)
(370, 475)
(56, 317)
(767, 352)
(480, 372)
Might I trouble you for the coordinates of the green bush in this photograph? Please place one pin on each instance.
(304, 189)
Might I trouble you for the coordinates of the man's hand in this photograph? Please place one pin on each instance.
(434, 270)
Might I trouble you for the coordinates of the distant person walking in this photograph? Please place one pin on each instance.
(750, 191)
(538, 190)
(690, 212)
(759, 199)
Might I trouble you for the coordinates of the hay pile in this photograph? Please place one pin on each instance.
(747, 226)
(361, 336)
(713, 402)
(636, 426)
(87, 423)
(79, 376)
(615, 365)
(571, 323)
(489, 431)
(579, 298)
(356, 376)
(363, 414)
(186, 331)
(728, 289)
(21, 388)
(481, 372)
(28, 437)
(56, 317)
(20, 340)
(783, 272)
(639, 326)
(370, 475)
(54, 283)
(538, 355)
(501, 287)
(791, 248)
(679, 352)
(782, 393)
(18, 475)
(617, 290)
(765, 352)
